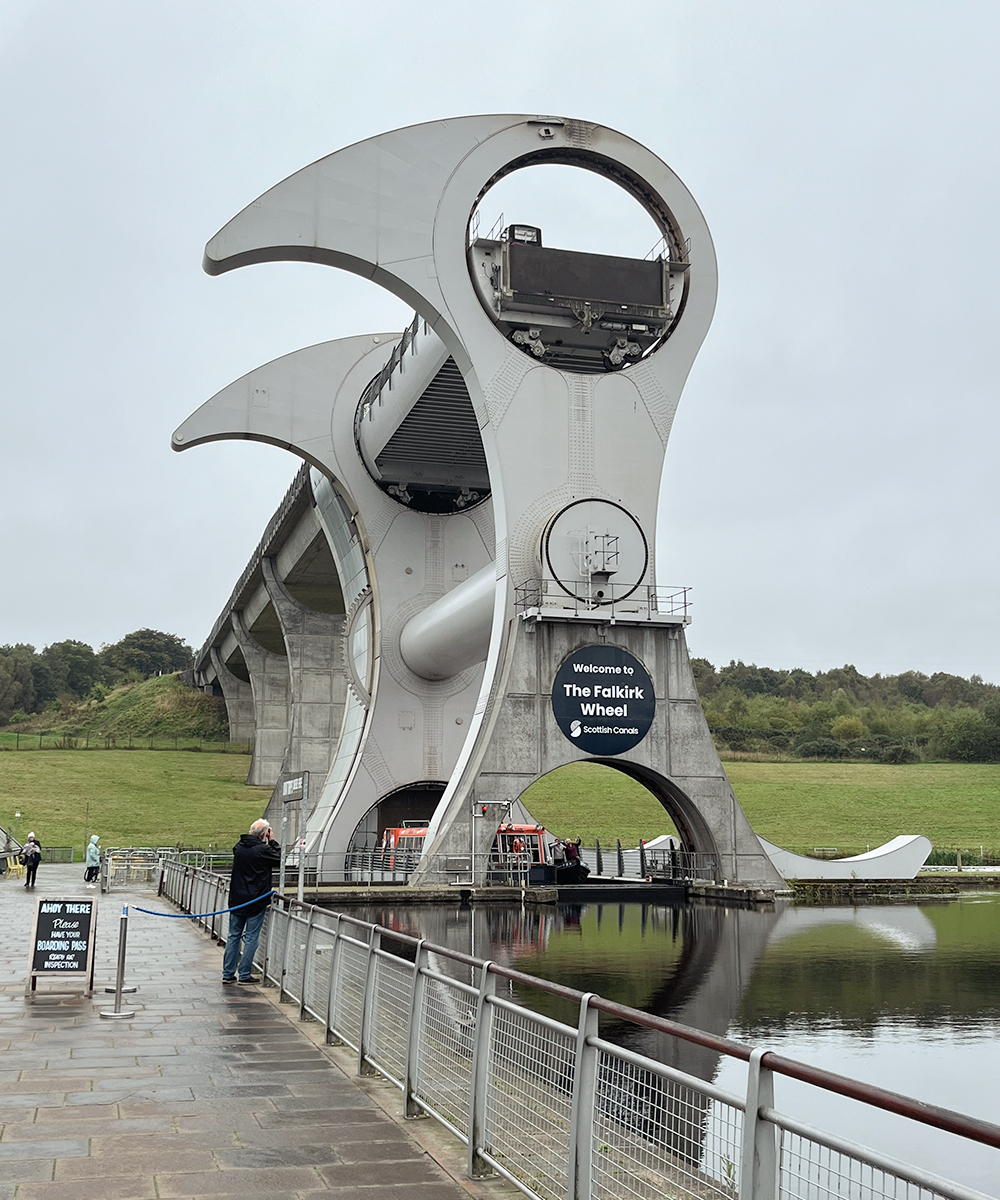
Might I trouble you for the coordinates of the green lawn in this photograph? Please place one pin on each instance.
(854, 805)
(136, 797)
(163, 797)
(797, 805)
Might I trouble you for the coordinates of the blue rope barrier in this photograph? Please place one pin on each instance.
(191, 916)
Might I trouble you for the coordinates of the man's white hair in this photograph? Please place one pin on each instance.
(260, 828)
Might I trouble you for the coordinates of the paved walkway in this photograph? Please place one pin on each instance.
(208, 1091)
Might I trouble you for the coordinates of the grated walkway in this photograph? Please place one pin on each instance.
(209, 1091)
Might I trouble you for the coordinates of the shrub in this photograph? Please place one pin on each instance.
(846, 729)
(896, 752)
(823, 747)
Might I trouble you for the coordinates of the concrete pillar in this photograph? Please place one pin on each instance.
(269, 683)
(676, 761)
(314, 644)
(238, 696)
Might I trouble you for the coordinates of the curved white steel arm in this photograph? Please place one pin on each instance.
(287, 401)
(901, 858)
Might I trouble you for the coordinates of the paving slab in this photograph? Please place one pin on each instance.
(208, 1091)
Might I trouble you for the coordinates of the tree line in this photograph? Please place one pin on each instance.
(844, 714)
(32, 681)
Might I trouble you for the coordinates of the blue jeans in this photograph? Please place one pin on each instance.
(247, 928)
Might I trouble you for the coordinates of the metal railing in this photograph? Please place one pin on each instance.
(124, 865)
(661, 865)
(539, 597)
(57, 854)
(374, 865)
(553, 1107)
(372, 394)
(208, 860)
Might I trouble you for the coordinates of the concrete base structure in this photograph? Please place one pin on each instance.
(676, 761)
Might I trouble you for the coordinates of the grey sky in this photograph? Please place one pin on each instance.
(830, 490)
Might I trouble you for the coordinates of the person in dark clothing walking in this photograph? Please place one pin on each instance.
(255, 856)
(31, 856)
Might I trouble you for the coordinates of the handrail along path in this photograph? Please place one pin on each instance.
(551, 1106)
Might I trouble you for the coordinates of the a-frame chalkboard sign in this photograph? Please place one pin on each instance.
(62, 947)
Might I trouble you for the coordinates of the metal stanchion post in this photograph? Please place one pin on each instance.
(303, 822)
(118, 1011)
(284, 846)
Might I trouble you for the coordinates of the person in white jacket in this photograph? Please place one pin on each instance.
(93, 861)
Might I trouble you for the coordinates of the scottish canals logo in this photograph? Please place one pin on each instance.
(602, 699)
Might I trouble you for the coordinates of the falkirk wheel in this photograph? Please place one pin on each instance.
(487, 484)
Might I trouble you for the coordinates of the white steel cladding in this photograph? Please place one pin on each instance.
(512, 437)
(351, 566)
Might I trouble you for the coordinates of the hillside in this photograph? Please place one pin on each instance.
(130, 798)
(842, 714)
(160, 708)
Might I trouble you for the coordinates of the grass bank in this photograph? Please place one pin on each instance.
(135, 798)
(798, 805)
(164, 797)
(855, 805)
(160, 708)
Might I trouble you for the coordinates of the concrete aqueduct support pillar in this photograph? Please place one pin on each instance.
(238, 696)
(314, 644)
(269, 682)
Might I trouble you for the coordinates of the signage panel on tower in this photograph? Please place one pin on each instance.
(602, 699)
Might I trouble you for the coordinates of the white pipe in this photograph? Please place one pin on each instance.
(454, 632)
(421, 361)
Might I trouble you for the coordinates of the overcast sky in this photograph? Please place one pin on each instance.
(831, 490)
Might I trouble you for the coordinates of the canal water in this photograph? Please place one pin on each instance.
(906, 996)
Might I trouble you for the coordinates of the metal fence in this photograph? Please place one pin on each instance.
(374, 865)
(121, 866)
(535, 597)
(553, 1107)
(55, 739)
(658, 864)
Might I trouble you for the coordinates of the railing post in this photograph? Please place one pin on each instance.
(410, 1108)
(331, 1037)
(759, 1169)
(368, 1002)
(266, 933)
(284, 949)
(477, 1168)
(305, 963)
(581, 1123)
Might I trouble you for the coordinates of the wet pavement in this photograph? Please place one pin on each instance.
(207, 1091)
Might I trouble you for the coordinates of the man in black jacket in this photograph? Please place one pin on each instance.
(255, 856)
